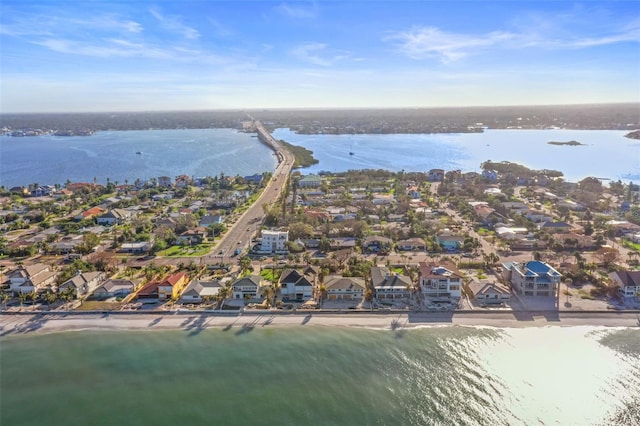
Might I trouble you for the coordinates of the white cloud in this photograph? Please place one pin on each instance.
(431, 42)
(434, 43)
(318, 54)
(174, 23)
(220, 29)
(49, 25)
(298, 11)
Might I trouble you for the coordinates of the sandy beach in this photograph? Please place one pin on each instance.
(11, 324)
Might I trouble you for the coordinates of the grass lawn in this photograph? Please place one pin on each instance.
(270, 275)
(97, 305)
(186, 251)
(485, 232)
(632, 246)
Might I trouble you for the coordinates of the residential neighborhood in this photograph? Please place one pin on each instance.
(507, 238)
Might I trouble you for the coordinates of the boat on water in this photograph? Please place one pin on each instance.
(139, 152)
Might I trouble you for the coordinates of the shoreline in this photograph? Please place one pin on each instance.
(48, 323)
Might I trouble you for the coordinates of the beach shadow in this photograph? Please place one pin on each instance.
(154, 322)
(187, 321)
(32, 324)
(306, 319)
(523, 315)
(398, 327)
(196, 325)
(248, 327)
(268, 320)
(395, 324)
(230, 325)
(552, 316)
(430, 317)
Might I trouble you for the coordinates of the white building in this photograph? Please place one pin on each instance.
(274, 241)
(533, 278)
(629, 282)
(389, 286)
(440, 281)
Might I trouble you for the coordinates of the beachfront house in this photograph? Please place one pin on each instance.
(533, 278)
(297, 285)
(344, 288)
(628, 282)
(247, 287)
(489, 293)
(114, 288)
(199, 290)
(83, 283)
(168, 288)
(441, 282)
(388, 285)
(27, 279)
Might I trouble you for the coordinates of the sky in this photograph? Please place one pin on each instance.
(136, 55)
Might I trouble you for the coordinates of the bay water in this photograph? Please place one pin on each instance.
(208, 152)
(192, 152)
(323, 376)
(604, 153)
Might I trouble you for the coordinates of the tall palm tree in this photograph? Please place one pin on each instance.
(22, 297)
(5, 297)
(50, 297)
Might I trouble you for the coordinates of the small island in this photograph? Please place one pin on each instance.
(303, 156)
(570, 143)
(633, 135)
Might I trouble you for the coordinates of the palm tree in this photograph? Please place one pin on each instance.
(33, 296)
(22, 297)
(268, 293)
(50, 297)
(245, 264)
(4, 296)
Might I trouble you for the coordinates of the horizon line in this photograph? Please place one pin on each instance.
(352, 108)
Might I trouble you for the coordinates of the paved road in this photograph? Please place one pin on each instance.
(239, 235)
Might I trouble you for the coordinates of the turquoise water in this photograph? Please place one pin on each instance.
(323, 376)
(605, 153)
(193, 152)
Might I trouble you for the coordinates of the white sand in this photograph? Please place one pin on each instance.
(50, 323)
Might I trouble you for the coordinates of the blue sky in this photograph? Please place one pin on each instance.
(185, 55)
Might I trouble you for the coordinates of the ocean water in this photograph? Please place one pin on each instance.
(194, 152)
(606, 153)
(323, 376)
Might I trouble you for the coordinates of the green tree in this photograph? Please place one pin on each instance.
(4, 296)
(245, 264)
(50, 297)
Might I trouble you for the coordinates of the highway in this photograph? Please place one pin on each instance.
(239, 234)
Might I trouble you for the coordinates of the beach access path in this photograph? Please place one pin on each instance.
(25, 323)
